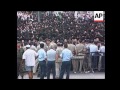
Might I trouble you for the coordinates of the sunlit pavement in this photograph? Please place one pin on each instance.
(97, 75)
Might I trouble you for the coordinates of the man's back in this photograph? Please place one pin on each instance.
(93, 48)
(102, 49)
(66, 55)
(79, 48)
(29, 56)
(51, 55)
(54, 45)
(42, 54)
(59, 50)
(71, 47)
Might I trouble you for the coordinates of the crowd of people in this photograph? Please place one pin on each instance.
(59, 41)
(52, 26)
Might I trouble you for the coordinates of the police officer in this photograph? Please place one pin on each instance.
(51, 54)
(45, 46)
(20, 66)
(42, 61)
(71, 47)
(66, 56)
(79, 50)
(58, 59)
(93, 52)
(53, 44)
(38, 48)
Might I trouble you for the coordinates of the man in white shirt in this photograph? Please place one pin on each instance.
(93, 50)
(51, 62)
(29, 57)
(36, 61)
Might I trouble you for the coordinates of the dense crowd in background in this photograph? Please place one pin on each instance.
(58, 26)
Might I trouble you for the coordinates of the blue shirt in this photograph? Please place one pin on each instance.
(42, 55)
(51, 55)
(93, 48)
(66, 55)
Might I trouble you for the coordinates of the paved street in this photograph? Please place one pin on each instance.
(99, 75)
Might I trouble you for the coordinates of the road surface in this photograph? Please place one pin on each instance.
(97, 75)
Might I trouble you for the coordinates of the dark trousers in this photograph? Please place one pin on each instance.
(103, 63)
(18, 65)
(50, 66)
(94, 63)
(42, 69)
(65, 67)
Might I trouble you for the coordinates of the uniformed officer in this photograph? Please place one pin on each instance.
(93, 51)
(53, 44)
(48, 44)
(42, 61)
(79, 50)
(66, 56)
(71, 47)
(58, 59)
(20, 66)
(51, 54)
(45, 48)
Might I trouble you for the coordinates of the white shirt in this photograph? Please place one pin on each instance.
(102, 49)
(29, 56)
(42, 54)
(93, 48)
(66, 55)
(51, 55)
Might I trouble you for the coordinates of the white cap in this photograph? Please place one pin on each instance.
(28, 46)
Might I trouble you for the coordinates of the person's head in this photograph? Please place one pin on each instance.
(61, 44)
(65, 40)
(22, 41)
(69, 41)
(27, 46)
(48, 41)
(18, 45)
(91, 41)
(102, 44)
(65, 45)
(95, 43)
(79, 41)
(21, 44)
(41, 45)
